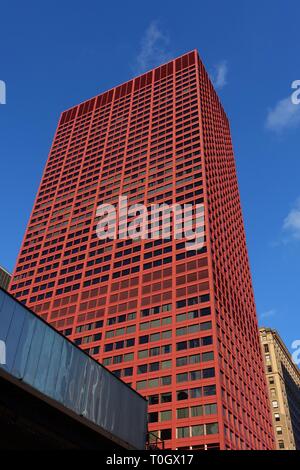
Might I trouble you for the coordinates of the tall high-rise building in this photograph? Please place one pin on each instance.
(5, 278)
(179, 325)
(283, 378)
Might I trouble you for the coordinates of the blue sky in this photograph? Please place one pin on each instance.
(56, 54)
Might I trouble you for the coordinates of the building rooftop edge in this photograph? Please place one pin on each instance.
(71, 342)
(282, 344)
(3, 269)
(130, 80)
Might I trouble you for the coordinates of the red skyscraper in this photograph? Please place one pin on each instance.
(178, 325)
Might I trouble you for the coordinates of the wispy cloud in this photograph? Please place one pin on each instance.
(153, 49)
(291, 223)
(268, 314)
(284, 115)
(219, 75)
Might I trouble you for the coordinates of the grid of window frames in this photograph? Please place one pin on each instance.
(144, 308)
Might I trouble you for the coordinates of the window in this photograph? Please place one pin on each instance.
(153, 383)
(142, 369)
(128, 372)
(117, 359)
(181, 317)
(182, 377)
(198, 430)
(275, 404)
(130, 329)
(208, 373)
(143, 354)
(210, 409)
(153, 400)
(182, 413)
(209, 390)
(144, 339)
(153, 417)
(183, 432)
(165, 415)
(196, 392)
(182, 395)
(195, 374)
(205, 326)
(128, 357)
(207, 340)
(193, 328)
(154, 351)
(164, 335)
(166, 434)
(279, 430)
(166, 397)
(194, 359)
(195, 343)
(180, 331)
(266, 348)
(181, 361)
(277, 416)
(166, 380)
(181, 346)
(166, 349)
(207, 356)
(155, 337)
(196, 411)
(141, 384)
(166, 364)
(212, 428)
(281, 444)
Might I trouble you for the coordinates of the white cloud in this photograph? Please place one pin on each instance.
(284, 115)
(268, 313)
(153, 51)
(219, 76)
(291, 223)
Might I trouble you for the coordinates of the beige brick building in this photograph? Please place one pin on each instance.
(283, 379)
(4, 278)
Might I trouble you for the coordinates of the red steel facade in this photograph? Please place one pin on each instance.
(180, 326)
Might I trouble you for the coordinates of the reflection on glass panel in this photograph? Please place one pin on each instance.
(34, 353)
(24, 345)
(64, 371)
(13, 337)
(47, 361)
(53, 368)
(44, 360)
(8, 307)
